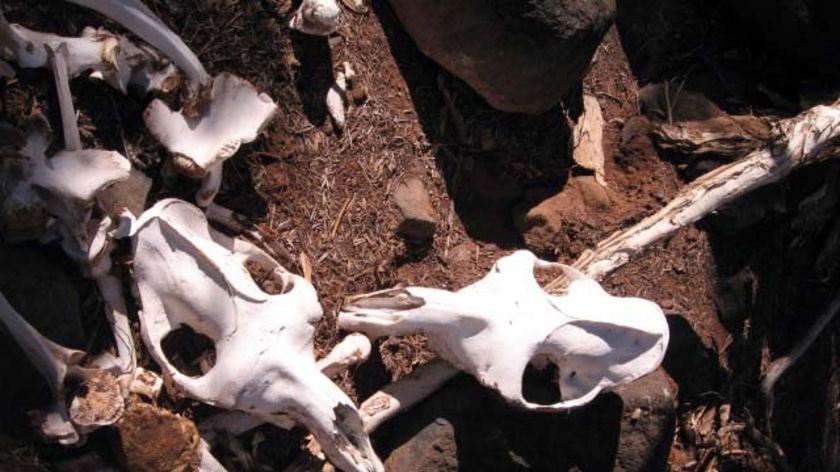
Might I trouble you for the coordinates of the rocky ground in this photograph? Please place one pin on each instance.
(739, 289)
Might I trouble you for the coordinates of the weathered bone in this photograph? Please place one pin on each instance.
(188, 274)
(235, 114)
(140, 20)
(109, 57)
(316, 17)
(337, 101)
(58, 364)
(495, 327)
(230, 113)
(802, 140)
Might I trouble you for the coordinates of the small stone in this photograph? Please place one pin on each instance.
(418, 218)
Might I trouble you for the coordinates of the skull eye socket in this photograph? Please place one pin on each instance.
(541, 381)
(190, 352)
(269, 280)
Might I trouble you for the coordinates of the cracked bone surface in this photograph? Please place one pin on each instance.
(316, 17)
(494, 328)
(57, 364)
(109, 57)
(188, 274)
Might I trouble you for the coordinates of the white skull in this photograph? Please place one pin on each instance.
(188, 274)
(495, 327)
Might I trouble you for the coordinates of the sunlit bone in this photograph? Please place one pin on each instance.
(109, 57)
(223, 112)
(495, 327)
(188, 274)
(316, 17)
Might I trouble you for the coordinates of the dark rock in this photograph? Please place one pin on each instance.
(433, 449)
(418, 217)
(522, 56)
(647, 423)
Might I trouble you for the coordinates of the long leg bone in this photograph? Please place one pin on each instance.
(496, 327)
(186, 274)
(799, 141)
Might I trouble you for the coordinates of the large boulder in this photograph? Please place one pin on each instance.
(521, 55)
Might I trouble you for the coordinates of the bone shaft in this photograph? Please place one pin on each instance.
(138, 19)
(32, 344)
(405, 393)
(58, 59)
(209, 186)
(804, 138)
(112, 292)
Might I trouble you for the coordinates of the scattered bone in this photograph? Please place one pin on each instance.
(588, 139)
(418, 217)
(352, 350)
(337, 101)
(138, 19)
(725, 136)
(494, 328)
(799, 141)
(98, 403)
(782, 364)
(173, 242)
(146, 383)
(109, 57)
(55, 363)
(316, 17)
(234, 113)
(405, 393)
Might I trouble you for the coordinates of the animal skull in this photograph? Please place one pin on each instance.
(188, 274)
(495, 327)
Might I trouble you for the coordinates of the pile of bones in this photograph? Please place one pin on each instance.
(186, 273)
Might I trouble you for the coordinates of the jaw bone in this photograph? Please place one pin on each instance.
(494, 328)
(188, 274)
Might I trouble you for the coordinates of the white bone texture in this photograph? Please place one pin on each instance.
(337, 101)
(188, 274)
(109, 57)
(234, 113)
(55, 363)
(316, 17)
(495, 327)
(34, 188)
(140, 20)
